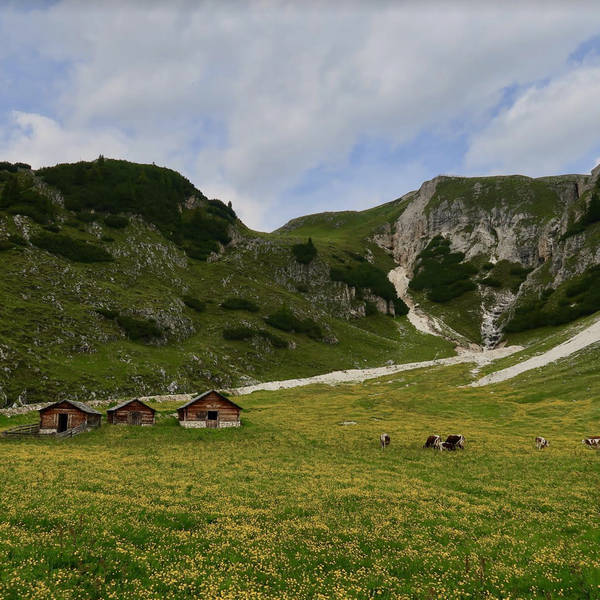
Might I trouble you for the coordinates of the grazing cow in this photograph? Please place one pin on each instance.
(541, 442)
(384, 440)
(433, 441)
(456, 440)
(447, 446)
(592, 442)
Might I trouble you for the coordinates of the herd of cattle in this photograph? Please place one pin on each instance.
(457, 442)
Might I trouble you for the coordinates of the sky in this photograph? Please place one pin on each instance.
(289, 108)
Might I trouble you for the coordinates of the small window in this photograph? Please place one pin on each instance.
(213, 415)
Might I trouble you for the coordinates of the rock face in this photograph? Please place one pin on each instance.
(514, 218)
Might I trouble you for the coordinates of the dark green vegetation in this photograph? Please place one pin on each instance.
(504, 274)
(14, 167)
(136, 329)
(161, 196)
(364, 276)
(304, 253)
(193, 303)
(71, 248)
(286, 320)
(578, 297)
(116, 221)
(237, 303)
(18, 199)
(441, 272)
(247, 333)
(590, 216)
(295, 506)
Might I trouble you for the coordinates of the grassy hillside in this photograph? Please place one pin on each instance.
(294, 505)
(97, 301)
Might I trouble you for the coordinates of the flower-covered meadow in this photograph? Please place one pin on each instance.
(295, 505)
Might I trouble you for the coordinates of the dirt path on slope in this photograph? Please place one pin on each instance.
(583, 339)
(359, 375)
(420, 320)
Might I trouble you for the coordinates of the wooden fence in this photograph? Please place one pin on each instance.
(71, 432)
(22, 430)
(34, 430)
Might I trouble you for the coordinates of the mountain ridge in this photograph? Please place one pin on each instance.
(152, 317)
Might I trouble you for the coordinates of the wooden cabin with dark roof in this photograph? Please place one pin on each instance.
(68, 414)
(131, 412)
(211, 409)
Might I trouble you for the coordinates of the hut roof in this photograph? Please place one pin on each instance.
(80, 405)
(196, 398)
(124, 404)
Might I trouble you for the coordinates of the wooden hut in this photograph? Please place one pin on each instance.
(210, 409)
(131, 412)
(68, 414)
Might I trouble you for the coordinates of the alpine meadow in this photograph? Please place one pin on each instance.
(236, 364)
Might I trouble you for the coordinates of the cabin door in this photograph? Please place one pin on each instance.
(135, 418)
(63, 422)
(212, 419)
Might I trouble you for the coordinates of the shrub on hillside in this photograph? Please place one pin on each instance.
(575, 299)
(441, 272)
(26, 201)
(109, 313)
(591, 216)
(363, 276)
(85, 216)
(238, 333)
(14, 167)
(243, 332)
(286, 320)
(370, 308)
(6, 245)
(201, 250)
(400, 307)
(17, 240)
(139, 329)
(116, 221)
(491, 282)
(161, 196)
(237, 303)
(71, 248)
(304, 253)
(194, 303)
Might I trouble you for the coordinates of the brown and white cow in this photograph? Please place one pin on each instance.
(456, 440)
(433, 441)
(541, 442)
(384, 440)
(592, 442)
(447, 446)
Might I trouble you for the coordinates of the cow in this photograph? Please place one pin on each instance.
(384, 440)
(456, 440)
(541, 442)
(433, 441)
(592, 442)
(447, 446)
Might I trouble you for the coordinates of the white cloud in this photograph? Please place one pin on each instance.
(246, 99)
(42, 141)
(548, 126)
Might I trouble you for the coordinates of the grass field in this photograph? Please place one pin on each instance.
(294, 505)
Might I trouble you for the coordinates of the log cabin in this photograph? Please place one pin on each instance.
(210, 409)
(131, 412)
(67, 414)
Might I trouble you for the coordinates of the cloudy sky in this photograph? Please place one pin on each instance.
(287, 108)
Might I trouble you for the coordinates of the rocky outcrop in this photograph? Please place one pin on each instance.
(516, 218)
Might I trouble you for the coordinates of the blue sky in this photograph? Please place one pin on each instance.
(290, 108)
